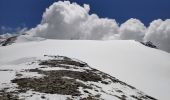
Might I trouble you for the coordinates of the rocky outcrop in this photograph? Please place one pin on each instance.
(8, 41)
(72, 78)
(149, 44)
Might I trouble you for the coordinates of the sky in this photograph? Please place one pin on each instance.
(17, 14)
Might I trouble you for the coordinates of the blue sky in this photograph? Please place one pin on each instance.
(28, 13)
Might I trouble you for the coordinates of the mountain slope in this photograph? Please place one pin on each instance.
(63, 78)
(144, 68)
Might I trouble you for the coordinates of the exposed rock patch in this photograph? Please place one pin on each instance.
(149, 44)
(8, 95)
(9, 41)
(74, 78)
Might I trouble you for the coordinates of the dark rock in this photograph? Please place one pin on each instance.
(149, 44)
(66, 61)
(9, 41)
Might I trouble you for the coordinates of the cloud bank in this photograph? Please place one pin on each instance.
(65, 20)
(159, 33)
(133, 29)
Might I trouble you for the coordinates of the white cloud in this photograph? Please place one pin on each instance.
(133, 29)
(99, 28)
(63, 20)
(159, 33)
(4, 36)
(12, 31)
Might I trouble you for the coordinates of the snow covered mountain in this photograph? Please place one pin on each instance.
(5, 36)
(23, 68)
(62, 78)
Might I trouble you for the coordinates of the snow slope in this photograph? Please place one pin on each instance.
(62, 78)
(144, 68)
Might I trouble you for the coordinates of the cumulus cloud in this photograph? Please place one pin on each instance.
(133, 29)
(159, 33)
(65, 20)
